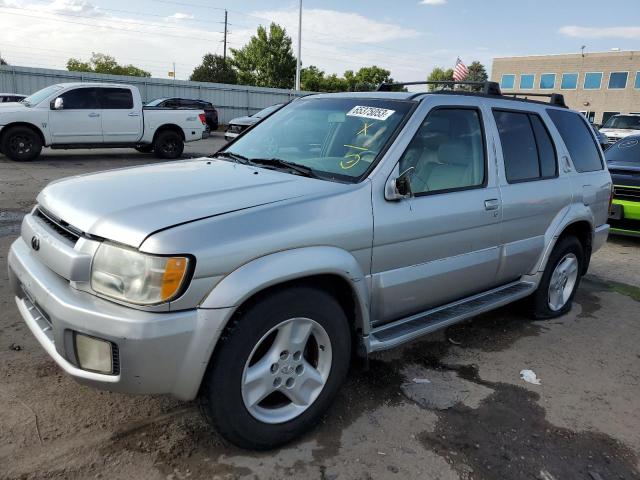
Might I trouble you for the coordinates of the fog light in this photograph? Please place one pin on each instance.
(94, 354)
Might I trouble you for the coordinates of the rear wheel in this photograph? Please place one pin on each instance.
(277, 368)
(168, 145)
(560, 280)
(21, 144)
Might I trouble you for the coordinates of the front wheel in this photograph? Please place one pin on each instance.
(278, 368)
(560, 280)
(21, 144)
(168, 145)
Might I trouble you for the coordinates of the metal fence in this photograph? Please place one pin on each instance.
(230, 100)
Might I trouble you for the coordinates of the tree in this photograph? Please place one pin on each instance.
(267, 60)
(214, 69)
(477, 72)
(101, 63)
(367, 78)
(439, 75)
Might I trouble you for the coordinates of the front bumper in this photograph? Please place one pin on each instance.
(157, 352)
(230, 135)
(627, 218)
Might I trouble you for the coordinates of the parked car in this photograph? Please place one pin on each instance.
(11, 97)
(623, 159)
(240, 124)
(209, 110)
(248, 279)
(603, 140)
(621, 126)
(94, 115)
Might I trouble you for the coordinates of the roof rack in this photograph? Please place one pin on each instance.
(487, 88)
(554, 98)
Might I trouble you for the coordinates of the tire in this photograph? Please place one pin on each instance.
(21, 144)
(554, 295)
(168, 145)
(145, 148)
(260, 419)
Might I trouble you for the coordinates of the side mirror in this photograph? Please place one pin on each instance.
(57, 104)
(399, 188)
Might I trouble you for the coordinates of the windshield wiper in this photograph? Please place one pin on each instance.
(278, 163)
(236, 157)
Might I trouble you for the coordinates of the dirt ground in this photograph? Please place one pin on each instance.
(451, 406)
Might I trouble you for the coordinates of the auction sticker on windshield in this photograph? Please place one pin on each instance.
(370, 112)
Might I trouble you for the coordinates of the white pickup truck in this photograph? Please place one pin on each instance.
(95, 115)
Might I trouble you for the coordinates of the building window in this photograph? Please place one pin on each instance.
(569, 81)
(547, 81)
(527, 81)
(618, 80)
(508, 81)
(637, 82)
(592, 80)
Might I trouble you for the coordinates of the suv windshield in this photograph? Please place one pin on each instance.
(627, 122)
(336, 138)
(40, 95)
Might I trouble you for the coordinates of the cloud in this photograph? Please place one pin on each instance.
(600, 32)
(433, 2)
(78, 7)
(181, 16)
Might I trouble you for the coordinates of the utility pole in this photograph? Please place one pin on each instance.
(299, 47)
(224, 55)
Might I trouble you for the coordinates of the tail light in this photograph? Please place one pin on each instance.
(203, 118)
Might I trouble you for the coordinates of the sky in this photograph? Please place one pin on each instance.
(407, 37)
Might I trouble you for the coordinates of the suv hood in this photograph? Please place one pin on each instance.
(618, 132)
(127, 205)
(11, 107)
(244, 121)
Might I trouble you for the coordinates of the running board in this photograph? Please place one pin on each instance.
(401, 331)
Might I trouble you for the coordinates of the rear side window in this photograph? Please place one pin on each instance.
(116, 98)
(527, 148)
(578, 138)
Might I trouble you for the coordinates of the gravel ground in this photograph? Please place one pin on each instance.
(451, 406)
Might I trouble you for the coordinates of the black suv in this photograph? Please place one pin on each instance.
(209, 110)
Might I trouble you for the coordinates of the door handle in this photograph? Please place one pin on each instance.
(491, 204)
(134, 114)
(566, 165)
(94, 115)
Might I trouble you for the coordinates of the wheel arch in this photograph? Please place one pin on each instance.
(32, 126)
(580, 227)
(168, 126)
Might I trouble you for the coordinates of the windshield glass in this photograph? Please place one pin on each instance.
(337, 138)
(628, 122)
(40, 95)
(266, 111)
(626, 150)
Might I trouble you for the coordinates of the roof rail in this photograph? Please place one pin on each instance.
(488, 88)
(554, 98)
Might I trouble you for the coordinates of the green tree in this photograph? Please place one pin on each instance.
(101, 63)
(313, 79)
(267, 60)
(477, 72)
(214, 69)
(439, 75)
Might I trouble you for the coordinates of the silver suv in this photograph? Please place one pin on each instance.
(343, 224)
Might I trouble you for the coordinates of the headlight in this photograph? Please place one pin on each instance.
(136, 277)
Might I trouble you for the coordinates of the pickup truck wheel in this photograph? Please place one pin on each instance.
(277, 369)
(168, 145)
(560, 280)
(145, 148)
(21, 144)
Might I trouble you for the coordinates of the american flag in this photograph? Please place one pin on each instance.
(460, 71)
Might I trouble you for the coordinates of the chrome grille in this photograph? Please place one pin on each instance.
(626, 193)
(59, 226)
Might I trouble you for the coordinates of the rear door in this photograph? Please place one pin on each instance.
(534, 192)
(121, 118)
(442, 244)
(79, 120)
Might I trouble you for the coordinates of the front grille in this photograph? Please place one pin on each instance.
(235, 128)
(626, 193)
(625, 224)
(59, 226)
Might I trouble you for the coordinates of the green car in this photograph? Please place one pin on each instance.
(623, 159)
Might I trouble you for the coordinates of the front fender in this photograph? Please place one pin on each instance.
(276, 268)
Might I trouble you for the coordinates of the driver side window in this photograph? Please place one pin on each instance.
(447, 153)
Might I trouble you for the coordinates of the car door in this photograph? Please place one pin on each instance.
(121, 119)
(534, 193)
(78, 120)
(442, 244)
